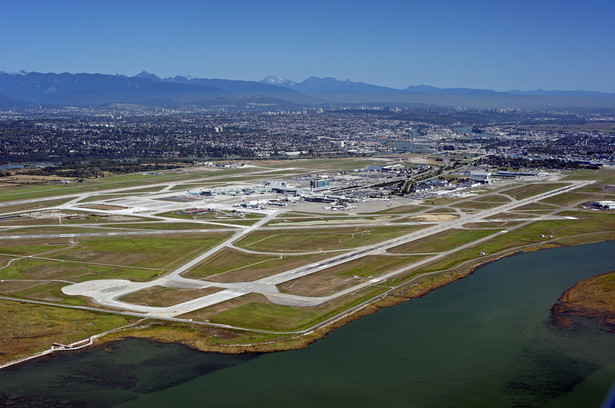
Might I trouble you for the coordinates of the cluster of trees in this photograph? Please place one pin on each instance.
(100, 168)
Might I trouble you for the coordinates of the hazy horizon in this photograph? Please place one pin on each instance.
(505, 45)
(294, 80)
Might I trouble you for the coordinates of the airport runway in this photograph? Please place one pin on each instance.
(107, 292)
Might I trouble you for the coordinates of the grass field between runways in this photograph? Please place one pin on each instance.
(231, 265)
(162, 252)
(305, 240)
(332, 280)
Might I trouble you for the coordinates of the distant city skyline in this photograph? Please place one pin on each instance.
(499, 45)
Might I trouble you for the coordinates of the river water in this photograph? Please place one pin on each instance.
(484, 341)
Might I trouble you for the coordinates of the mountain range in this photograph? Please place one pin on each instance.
(22, 89)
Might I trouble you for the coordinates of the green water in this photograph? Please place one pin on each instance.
(483, 341)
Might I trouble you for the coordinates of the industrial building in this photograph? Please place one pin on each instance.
(482, 177)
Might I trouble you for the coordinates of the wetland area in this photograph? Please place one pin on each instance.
(482, 341)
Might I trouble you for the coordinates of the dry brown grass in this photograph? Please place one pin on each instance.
(433, 217)
(592, 297)
(163, 297)
(28, 328)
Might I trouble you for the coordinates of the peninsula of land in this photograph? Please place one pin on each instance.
(592, 298)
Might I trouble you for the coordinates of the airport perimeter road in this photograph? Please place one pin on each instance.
(108, 293)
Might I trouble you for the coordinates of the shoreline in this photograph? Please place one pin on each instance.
(589, 299)
(401, 294)
(161, 332)
(75, 346)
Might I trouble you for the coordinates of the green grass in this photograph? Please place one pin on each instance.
(227, 260)
(236, 221)
(30, 246)
(478, 205)
(173, 214)
(217, 216)
(530, 190)
(192, 186)
(302, 240)
(282, 222)
(588, 223)
(483, 202)
(440, 201)
(238, 265)
(492, 198)
(441, 242)
(588, 238)
(570, 198)
(142, 190)
(334, 279)
(101, 197)
(590, 189)
(602, 176)
(441, 211)
(373, 265)
(59, 229)
(4, 260)
(535, 212)
(311, 214)
(27, 221)
(537, 206)
(267, 316)
(73, 272)
(402, 209)
(211, 215)
(167, 226)
(510, 215)
(32, 207)
(13, 271)
(153, 252)
(50, 291)
(91, 218)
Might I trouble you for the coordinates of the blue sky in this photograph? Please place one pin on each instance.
(492, 44)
